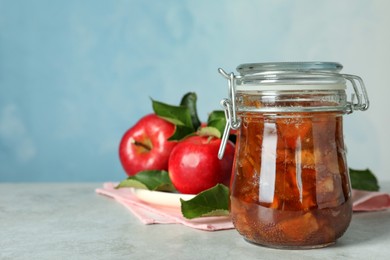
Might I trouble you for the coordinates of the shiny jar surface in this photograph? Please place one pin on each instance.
(290, 184)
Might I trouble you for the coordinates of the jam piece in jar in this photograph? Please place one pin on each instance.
(290, 185)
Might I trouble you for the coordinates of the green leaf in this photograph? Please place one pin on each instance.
(178, 115)
(181, 132)
(189, 101)
(209, 131)
(211, 202)
(217, 119)
(152, 180)
(363, 180)
(131, 183)
(216, 115)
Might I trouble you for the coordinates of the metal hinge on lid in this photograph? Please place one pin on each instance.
(229, 105)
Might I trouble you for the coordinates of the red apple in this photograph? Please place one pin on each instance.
(145, 146)
(194, 165)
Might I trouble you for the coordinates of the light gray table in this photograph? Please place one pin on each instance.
(70, 221)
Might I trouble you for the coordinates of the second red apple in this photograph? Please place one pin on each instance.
(194, 165)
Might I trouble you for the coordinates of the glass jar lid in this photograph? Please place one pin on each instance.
(253, 68)
(280, 76)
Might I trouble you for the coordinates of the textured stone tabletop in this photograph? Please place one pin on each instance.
(70, 221)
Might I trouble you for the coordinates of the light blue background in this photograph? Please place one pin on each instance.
(74, 75)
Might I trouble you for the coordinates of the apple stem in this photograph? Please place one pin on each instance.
(209, 139)
(147, 147)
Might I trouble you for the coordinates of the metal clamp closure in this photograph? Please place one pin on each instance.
(229, 105)
(362, 103)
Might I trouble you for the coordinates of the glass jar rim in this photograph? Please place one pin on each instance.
(287, 76)
(254, 68)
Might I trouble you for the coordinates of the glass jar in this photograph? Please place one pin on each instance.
(290, 184)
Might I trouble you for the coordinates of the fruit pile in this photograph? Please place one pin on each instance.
(173, 141)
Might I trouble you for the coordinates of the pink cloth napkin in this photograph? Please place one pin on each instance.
(370, 200)
(155, 214)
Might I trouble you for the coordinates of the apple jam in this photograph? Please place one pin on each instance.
(290, 185)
